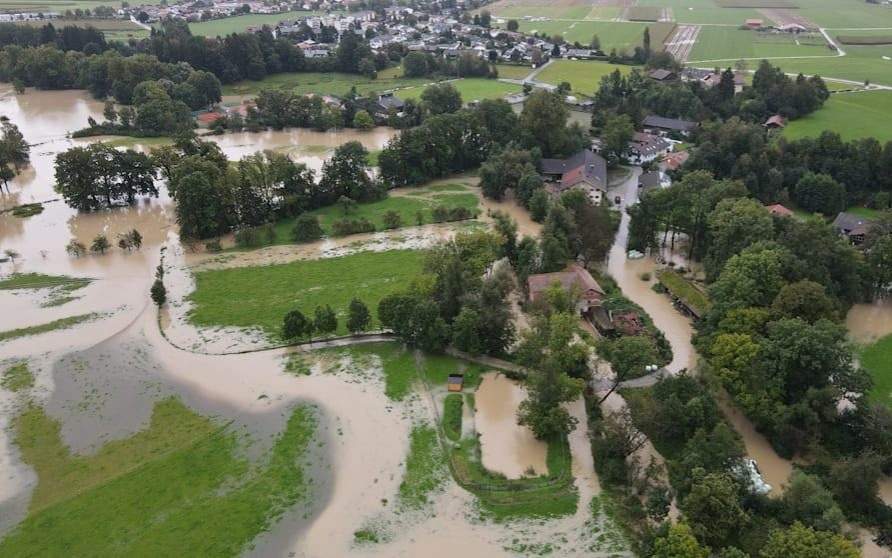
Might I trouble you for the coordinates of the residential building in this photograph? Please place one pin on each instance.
(662, 126)
(586, 171)
(574, 278)
(852, 226)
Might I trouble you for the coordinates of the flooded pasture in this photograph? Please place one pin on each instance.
(869, 322)
(506, 447)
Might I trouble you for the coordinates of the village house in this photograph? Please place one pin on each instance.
(662, 75)
(662, 126)
(574, 278)
(775, 122)
(586, 171)
(852, 227)
(645, 148)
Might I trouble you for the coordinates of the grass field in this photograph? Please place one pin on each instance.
(62, 323)
(59, 6)
(584, 76)
(100, 24)
(865, 39)
(512, 71)
(471, 89)
(725, 43)
(860, 63)
(452, 411)
(644, 13)
(877, 360)
(618, 35)
(756, 3)
(180, 487)
(231, 297)
(407, 207)
(845, 13)
(228, 25)
(326, 83)
(852, 115)
(17, 377)
(683, 289)
(703, 11)
(426, 469)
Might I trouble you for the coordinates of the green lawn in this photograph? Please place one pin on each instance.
(333, 83)
(471, 89)
(261, 296)
(179, 488)
(852, 115)
(877, 360)
(620, 35)
(584, 76)
(61, 287)
(228, 25)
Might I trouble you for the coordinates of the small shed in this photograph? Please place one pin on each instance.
(455, 382)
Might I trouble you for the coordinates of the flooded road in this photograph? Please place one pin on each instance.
(678, 330)
(506, 447)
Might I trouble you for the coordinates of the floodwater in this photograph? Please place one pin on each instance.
(679, 330)
(506, 447)
(869, 322)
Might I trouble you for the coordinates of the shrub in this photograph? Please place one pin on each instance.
(344, 227)
(306, 228)
(392, 220)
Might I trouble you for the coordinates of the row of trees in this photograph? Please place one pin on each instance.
(69, 37)
(296, 325)
(422, 64)
(98, 176)
(773, 170)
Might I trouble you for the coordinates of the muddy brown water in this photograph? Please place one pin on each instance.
(869, 322)
(506, 447)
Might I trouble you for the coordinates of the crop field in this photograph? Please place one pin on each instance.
(756, 3)
(333, 83)
(724, 43)
(703, 11)
(584, 76)
(618, 35)
(852, 115)
(845, 13)
(561, 9)
(100, 24)
(225, 26)
(644, 13)
(873, 63)
(230, 297)
(471, 89)
(59, 6)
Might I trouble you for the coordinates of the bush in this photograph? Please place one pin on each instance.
(442, 214)
(213, 246)
(306, 228)
(159, 292)
(392, 220)
(250, 237)
(344, 227)
(452, 411)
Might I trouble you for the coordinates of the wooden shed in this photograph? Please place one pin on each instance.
(455, 382)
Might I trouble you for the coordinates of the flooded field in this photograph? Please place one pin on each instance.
(507, 447)
(868, 322)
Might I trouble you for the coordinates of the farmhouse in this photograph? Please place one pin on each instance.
(586, 171)
(662, 75)
(775, 122)
(574, 278)
(754, 23)
(852, 227)
(779, 210)
(662, 126)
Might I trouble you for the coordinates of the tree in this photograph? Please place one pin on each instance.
(539, 205)
(306, 228)
(442, 98)
(543, 124)
(733, 225)
(595, 229)
(346, 174)
(75, 248)
(109, 112)
(135, 238)
(820, 193)
(415, 64)
(363, 121)
(616, 135)
(100, 244)
(296, 326)
(679, 542)
(628, 356)
(713, 509)
(158, 292)
(806, 300)
(325, 321)
(799, 541)
(806, 500)
(359, 317)
(512, 25)
(14, 152)
(11, 254)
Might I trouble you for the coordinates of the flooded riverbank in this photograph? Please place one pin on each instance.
(869, 322)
